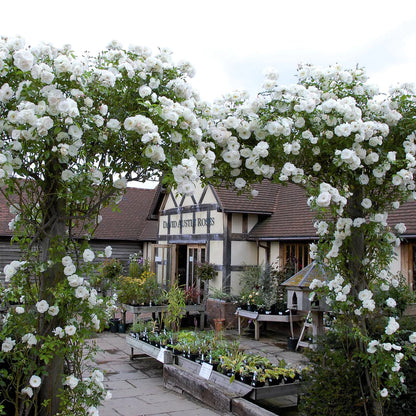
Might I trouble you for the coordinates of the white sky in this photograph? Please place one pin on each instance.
(231, 42)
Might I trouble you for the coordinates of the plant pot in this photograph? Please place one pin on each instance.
(114, 323)
(292, 343)
(219, 324)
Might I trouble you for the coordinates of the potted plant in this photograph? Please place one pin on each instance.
(107, 278)
(176, 308)
(205, 271)
(192, 295)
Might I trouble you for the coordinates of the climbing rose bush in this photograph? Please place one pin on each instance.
(74, 130)
(353, 151)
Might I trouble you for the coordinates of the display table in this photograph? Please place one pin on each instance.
(157, 311)
(191, 374)
(256, 318)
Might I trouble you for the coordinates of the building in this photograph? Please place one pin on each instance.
(231, 231)
(218, 226)
(128, 230)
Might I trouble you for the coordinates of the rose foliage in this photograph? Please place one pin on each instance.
(74, 130)
(353, 151)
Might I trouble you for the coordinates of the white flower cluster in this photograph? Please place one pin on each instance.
(11, 269)
(339, 289)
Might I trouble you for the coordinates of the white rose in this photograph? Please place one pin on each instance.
(70, 330)
(58, 332)
(20, 310)
(30, 339)
(324, 199)
(53, 310)
(70, 269)
(144, 91)
(391, 303)
(28, 391)
(42, 306)
(366, 203)
(372, 346)
(71, 381)
(412, 338)
(23, 60)
(81, 292)
(66, 261)
(392, 326)
(120, 183)
(113, 124)
(74, 280)
(239, 183)
(8, 344)
(88, 255)
(108, 251)
(35, 381)
(384, 392)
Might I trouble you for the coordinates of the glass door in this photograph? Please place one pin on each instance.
(196, 254)
(164, 264)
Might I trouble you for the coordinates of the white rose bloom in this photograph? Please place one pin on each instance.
(28, 391)
(108, 251)
(81, 292)
(120, 183)
(35, 381)
(391, 303)
(67, 175)
(66, 261)
(71, 381)
(323, 199)
(8, 344)
(53, 310)
(23, 60)
(387, 346)
(42, 306)
(366, 203)
(144, 91)
(400, 227)
(70, 269)
(30, 339)
(240, 183)
(392, 326)
(74, 280)
(19, 310)
(384, 392)
(369, 304)
(88, 255)
(412, 338)
(70, 330)
(113, 124)
(372, 346)
(58, 332)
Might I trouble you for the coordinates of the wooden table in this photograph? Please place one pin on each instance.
(156, 311)
(256, 318)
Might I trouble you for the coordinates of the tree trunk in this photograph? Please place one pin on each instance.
(51, 247)
(355, 256)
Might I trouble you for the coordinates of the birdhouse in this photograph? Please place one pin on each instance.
(298, 291)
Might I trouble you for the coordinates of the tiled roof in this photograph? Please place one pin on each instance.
(128, 223)
(406, 214)
(291, 219)
(263, 203)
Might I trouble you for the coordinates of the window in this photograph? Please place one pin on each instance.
(296, 254)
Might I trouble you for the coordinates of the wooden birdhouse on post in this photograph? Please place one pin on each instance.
(298, 295)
